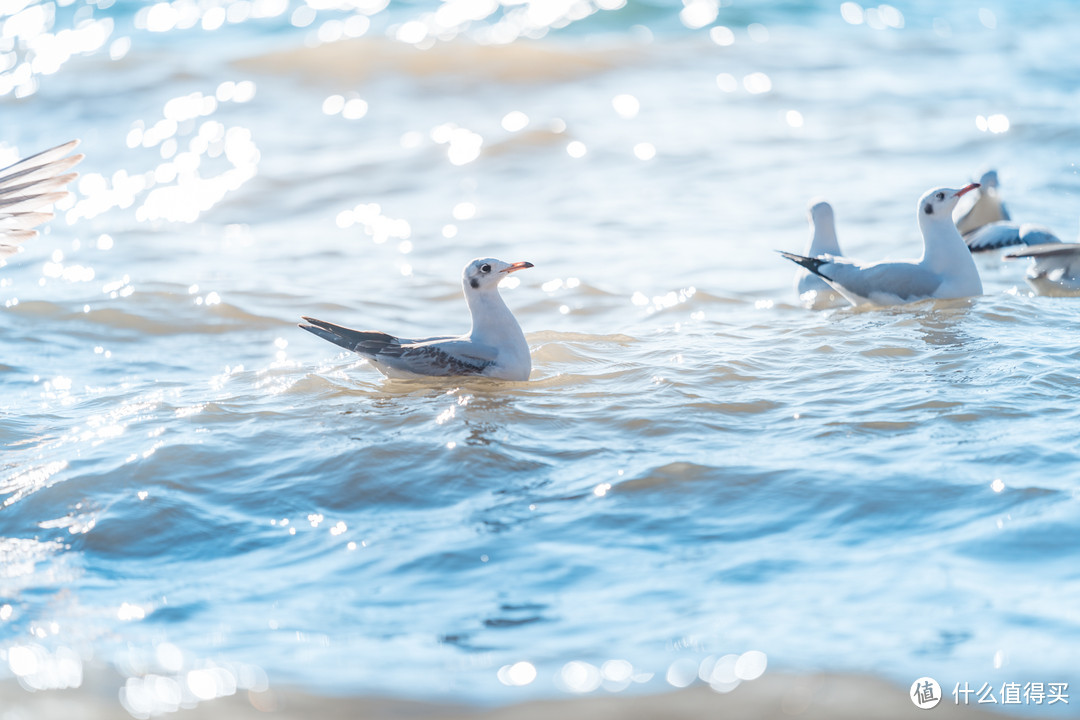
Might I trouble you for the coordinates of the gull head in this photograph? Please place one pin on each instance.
(989, 180)
(485, 273)
(938, 204)
(819, 212)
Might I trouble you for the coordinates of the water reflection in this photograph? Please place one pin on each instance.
(217, 159)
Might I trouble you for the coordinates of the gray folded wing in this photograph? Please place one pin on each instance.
(441, 356)
(883, 282)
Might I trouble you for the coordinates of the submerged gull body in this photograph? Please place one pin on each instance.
(1055, 268)
(945, 270)
(814, 293)
(28, 188)
(986, 224)
(495, 346)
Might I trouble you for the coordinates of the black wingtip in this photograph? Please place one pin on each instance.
(810, 263)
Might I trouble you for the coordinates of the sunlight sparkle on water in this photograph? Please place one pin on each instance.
(852, 13)
(39, 669)
(579, 677)
(617, 671)
(626, 106)
(464, 211)
(516, 675)
(719, 672)
(722, 36)
(355, 108)
(682, 673)
(376, 225)
(130, 612)
(576, 149)
(644, 151)
(333, 104)
(184, 186)
(727, 82)
(698, 13)
(514, 121)
(996, 124)
(757, 83)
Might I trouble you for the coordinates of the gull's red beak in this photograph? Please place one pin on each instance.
(517, 266)
(966, 189)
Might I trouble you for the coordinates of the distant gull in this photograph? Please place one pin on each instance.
(495, 347)
(29, 186)
(985, 206)
(945, 270)
(814, 293)
(986, 224)
(1055, 268)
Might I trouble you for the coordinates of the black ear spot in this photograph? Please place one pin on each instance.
(475, 283)
(928, 209)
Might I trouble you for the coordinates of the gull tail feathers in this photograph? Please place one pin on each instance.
(364, 342)
(810, 263)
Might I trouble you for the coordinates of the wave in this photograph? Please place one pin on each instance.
(362, 60)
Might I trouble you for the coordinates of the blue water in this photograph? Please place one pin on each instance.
(698, 467)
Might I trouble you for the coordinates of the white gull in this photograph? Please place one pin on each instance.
(813, 292)
(28, 188)
(945, 270)
(495, 347)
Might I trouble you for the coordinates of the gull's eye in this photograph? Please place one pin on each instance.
(941, 196)
(485, 268)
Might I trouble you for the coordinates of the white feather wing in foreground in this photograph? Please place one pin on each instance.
(28, 188)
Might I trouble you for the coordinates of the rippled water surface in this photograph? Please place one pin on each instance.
(697, 468)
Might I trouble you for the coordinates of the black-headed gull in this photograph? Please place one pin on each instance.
(495, 347)
(814, 293)
(1055, 268)
(985, 223)
(27, 188)
(945, 270)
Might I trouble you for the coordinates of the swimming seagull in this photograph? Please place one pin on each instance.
(945, 270)
(27, 188)
(495, 347)
(1055, 268)
(986, 224)
(814, 293)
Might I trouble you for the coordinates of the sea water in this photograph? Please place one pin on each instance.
(699, 470)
